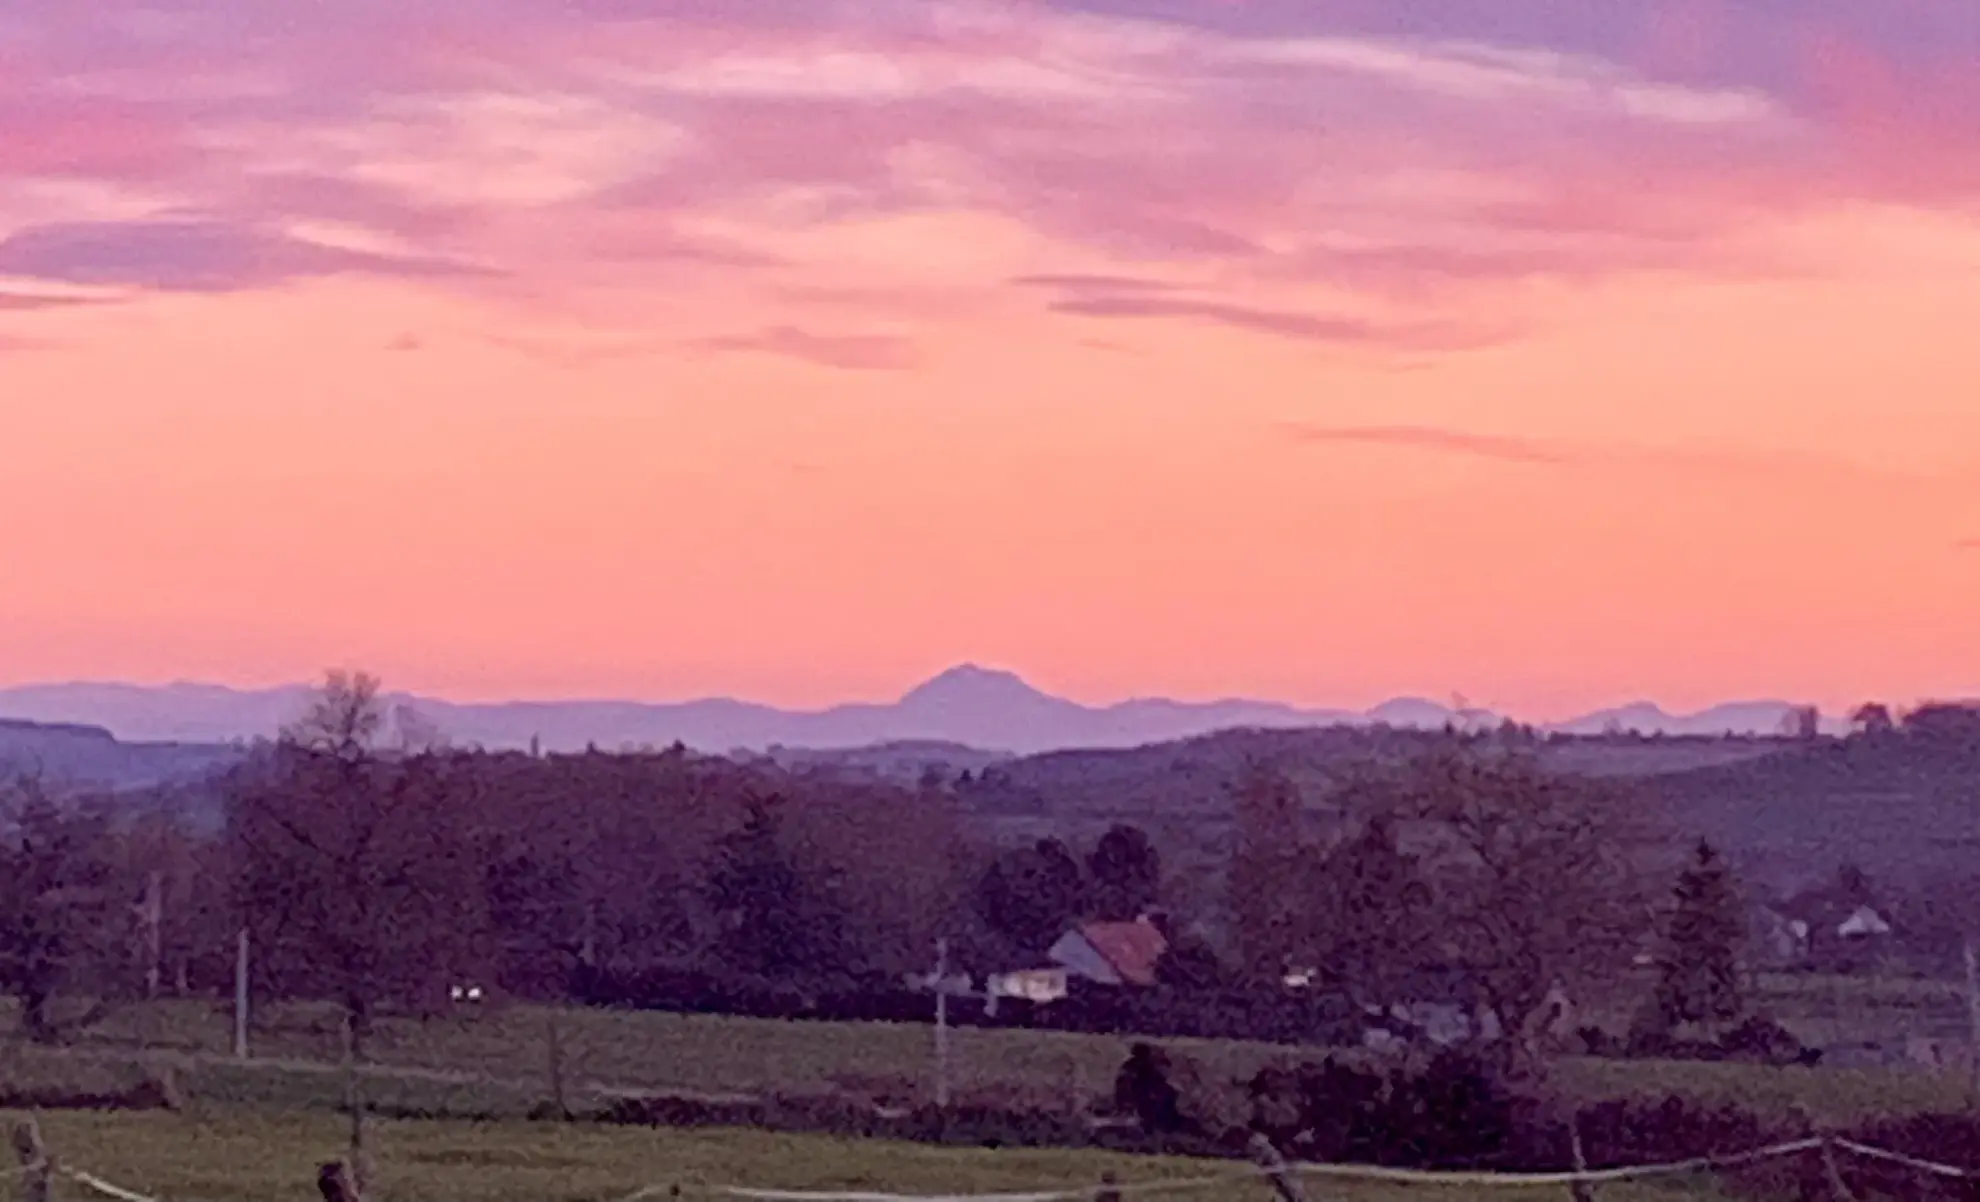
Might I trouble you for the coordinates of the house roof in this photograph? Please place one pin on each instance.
(1828, 909)
(1133, 949)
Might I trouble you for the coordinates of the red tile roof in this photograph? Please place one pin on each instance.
(1132, 948)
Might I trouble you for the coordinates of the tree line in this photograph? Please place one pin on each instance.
(374, 866)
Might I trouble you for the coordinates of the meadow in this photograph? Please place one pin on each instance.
(258, 1129)
(246, 1156)
(497, 1061)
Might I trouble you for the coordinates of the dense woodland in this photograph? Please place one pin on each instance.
(373, 866)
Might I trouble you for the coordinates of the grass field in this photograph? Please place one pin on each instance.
(257, 1130)
(249, 1157)
(497, 1062)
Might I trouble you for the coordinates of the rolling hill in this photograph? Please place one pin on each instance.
(67, 758)
(980, 708)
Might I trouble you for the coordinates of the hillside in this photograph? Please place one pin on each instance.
(1786, 812)
(1190, 780)
(70, 757)
(983, 708)
(1897, 807)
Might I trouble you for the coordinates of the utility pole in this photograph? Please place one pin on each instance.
(1973, 1021)
(154, 938)
(942, 1024)
(241, 997)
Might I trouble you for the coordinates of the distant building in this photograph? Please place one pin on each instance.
(1834, 929)
(1030, 985)
(1112, 953)
(1442, 1006)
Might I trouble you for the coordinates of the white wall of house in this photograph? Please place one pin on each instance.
(1864, 922)
(1032, 985)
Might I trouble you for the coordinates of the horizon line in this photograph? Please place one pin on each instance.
(1456, 704)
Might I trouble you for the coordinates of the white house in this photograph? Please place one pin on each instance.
(1029, 984)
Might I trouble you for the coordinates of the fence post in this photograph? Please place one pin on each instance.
(38, 1179)
(1834, 1173)
(1582, 1191)
(1276, 1169)
(1110, 1188)
(558, 1094)
(354, 1101)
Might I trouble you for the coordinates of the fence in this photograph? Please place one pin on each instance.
(39, 1168)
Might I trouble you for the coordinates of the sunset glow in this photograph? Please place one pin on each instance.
(794, 350)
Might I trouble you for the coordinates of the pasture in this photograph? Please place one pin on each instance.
(240, 1156)
(497, 1060)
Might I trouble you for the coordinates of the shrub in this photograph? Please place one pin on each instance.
(1142, 1088)
(1765, 1041)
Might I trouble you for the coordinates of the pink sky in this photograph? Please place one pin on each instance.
(548, 349)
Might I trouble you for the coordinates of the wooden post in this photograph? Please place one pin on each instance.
(1833, 1172)
(354, 1105)
(1110, 1188)
(38, 1178)
(558, 1097)
(335, 1182)
(1973, 1022)
(1276, 1169)
(1581, 1190)
(154, 935)
(942, 1023)
(241, 997)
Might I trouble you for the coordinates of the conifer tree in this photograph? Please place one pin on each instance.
(1700, 979)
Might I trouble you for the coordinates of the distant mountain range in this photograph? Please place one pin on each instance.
(976, 707)
(65, 756)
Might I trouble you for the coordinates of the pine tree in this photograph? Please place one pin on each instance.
(1700, 980)
(1269, 875)
(778, 924)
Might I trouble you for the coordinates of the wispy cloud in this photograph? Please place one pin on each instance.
(845, 352)
(593, 144)
(190, 256)
(1967, 544)
(1509, 448)
(1094, 283)
(1305, 326)
(21, 302)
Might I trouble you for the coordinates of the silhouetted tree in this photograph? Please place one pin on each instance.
(1948, 724)
(1802, 722)
(1872, 719)
(1192, 965)
(1539, 895)
(353, 869)
(1143, 1089)
(776, 920)
(58, 913)
(543, 926)
(1699, 977)
(1126, 874)
(1853, 885)
(1373, 915)
(1032, 895)
(1269, 875)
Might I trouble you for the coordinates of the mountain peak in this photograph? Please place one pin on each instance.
(972, 684)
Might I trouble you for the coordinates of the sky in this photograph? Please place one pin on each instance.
(1549, 354)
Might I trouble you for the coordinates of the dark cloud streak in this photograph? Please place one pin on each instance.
(192, 256)
(1506, 448)
(844, 352)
